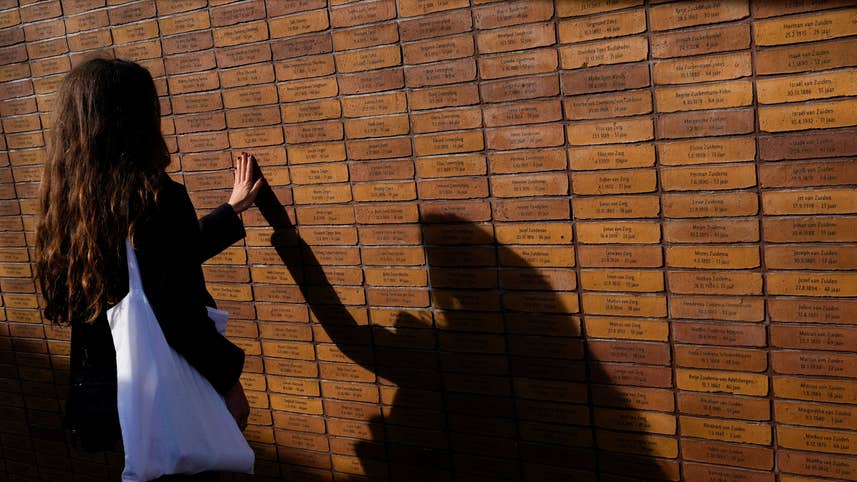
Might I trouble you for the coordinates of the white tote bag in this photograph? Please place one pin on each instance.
(173, 421)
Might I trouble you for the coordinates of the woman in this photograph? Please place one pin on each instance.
(104, 181)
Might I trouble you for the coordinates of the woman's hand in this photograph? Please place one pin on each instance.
(237, 404)
(244, 191)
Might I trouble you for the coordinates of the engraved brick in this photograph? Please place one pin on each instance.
(10, 18)
(702, 69)
(440, 74)
(232, 14)
(453, 189)
(695, 42)
(608, 105)
(707, 151)
(524, 113)
(379, 148)
(605, 79)
(516, 89)
(525, 137)
(254, 74)
(13, 54)
(189, 63)
(242, 55)
(249, 96)
(667, 17)
(257, 116)
(196, 103)
(49, 48)
(316, 153)
(723, 95)
(411, 8)
(200, 122)
(307, 111)
(807, 58)
(166, 7)
(363, 37)
(611, 25)
(608, 132)
(806, 28)
(823, 115)
(44, 30)
(371, 81)
(434, 26)
(377, 127)
(465, 141)
(512, 13)
(305, 67)
(240, 34)
(627, 232)
(805, 146)
(705, 205)
(614, 182)
(516, 38)
(132, 13)
(828, 201)
(612, 157)
(188, 42)
(315, 132)
(712, 231)
(719, 381)
(806, 87)
(184, 23)
(700, 124)
(608, 52)
(289, 48)
(634, 329)
(766, 10)
(381, 170)
(298, 24)
(524, 63)
(708, 178)
(368, 12)
(262, 136)
(813, 463)
(41, 11)
(194, 83)
(307, 89)
(438, 49)
(735, 257)
(276, 8)
(527, 162)
(576, 9)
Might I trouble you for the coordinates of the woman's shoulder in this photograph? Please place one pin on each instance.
(171, 191)
(168, 206)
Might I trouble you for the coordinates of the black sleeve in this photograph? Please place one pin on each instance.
(220, 229)
(168, 250)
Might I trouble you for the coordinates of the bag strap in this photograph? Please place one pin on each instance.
(134, 280)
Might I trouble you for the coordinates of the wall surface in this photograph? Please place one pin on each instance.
(538, 240)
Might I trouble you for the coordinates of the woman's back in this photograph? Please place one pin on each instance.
(104, 181)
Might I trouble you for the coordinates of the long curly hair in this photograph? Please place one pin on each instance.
(106, 158)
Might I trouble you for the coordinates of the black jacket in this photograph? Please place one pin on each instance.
(170, 245)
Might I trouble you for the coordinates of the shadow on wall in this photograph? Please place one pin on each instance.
(495, 386)
(491, 384)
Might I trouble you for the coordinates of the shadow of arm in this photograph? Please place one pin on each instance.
(334, 317)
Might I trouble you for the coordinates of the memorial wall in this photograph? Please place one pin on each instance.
(518, 240)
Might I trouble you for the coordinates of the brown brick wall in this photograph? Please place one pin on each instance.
(535, 240)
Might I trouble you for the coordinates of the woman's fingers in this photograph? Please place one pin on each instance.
(248, 168)
(245, 189)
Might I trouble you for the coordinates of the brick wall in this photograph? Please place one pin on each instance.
(535, 240)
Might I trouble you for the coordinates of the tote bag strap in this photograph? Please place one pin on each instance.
(134, 280)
